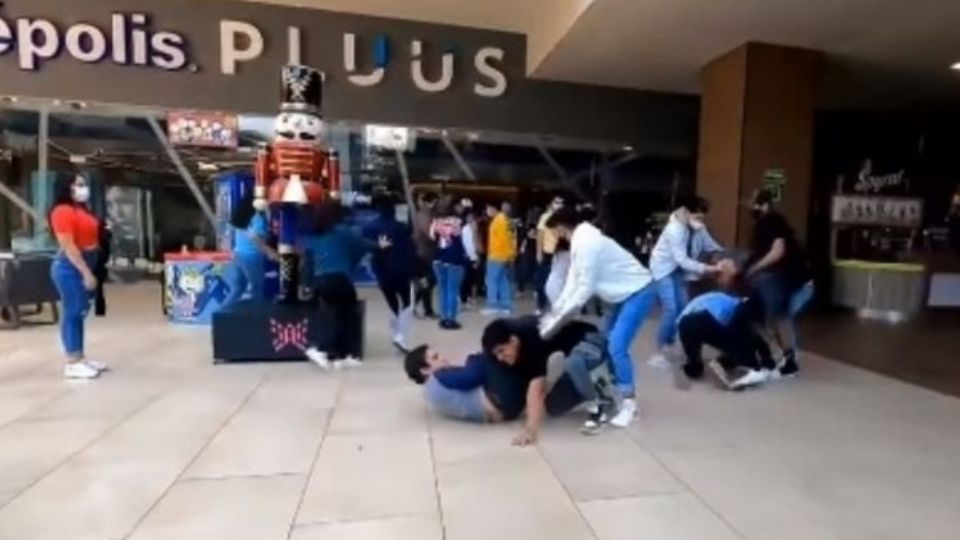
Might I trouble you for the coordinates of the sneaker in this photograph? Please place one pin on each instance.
(660, 361)
(490, 312)
(318, 357)
(594, 423)
(79, 370)
(788, 369)
(627, 414)
(505, 313)
(99, 366)
(752, 377)
(350, 362)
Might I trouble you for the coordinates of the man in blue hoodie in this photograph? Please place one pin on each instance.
(393, 265)
(454, 391)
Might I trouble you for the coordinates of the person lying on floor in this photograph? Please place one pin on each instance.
(728, 323)
(518, 381)
(454, 391)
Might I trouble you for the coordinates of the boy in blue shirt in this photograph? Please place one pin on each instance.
(727, 323)
(455, 391)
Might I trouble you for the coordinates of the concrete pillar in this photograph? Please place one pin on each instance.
(756, 122)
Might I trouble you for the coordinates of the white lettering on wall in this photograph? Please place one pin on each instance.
(416, 70)
(168, 51)
(139, 38)
(119, 24)
(6, 37)
(231, 50)
(86, 43)
(350, 64)
(37, 40)
(497, 80)
(294, 46)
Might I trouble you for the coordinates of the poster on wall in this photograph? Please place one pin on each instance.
(203, 129)
(886, 211)
(774, 181)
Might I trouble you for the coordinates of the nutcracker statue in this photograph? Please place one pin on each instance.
(296, 171)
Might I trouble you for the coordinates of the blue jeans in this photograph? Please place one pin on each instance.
(449, 279)
(499, 290)
(672, 292)
(75, 299)
(249, 270)
(798, 302)
(623, 321)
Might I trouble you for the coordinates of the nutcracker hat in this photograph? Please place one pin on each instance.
(302, 90)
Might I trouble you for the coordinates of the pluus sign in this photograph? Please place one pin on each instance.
(132, 39)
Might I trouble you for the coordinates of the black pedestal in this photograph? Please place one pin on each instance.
(267, 331)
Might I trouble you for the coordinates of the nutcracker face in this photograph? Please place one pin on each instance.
(298, 127)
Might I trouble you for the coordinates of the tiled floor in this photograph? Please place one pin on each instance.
(169, 446)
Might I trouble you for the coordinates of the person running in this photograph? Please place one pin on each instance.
(728, 324)
(393, 266)
(777, 270)
(77, 233)
(334, 252)
(670, 262)
(601, 267)
(501, 254)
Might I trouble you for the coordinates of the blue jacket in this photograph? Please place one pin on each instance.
(395, 262)
(337, 251)
(466, 377)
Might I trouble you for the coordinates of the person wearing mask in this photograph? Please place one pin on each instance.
(501, 253)
(670, 262)
(425, 246)
(393, 264)
(77, 233)
(470, 238)
(777, 270)
(449, 263)
(333, 253)
(250, 251)
(601, 267)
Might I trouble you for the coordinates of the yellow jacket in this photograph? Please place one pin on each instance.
(502, 244)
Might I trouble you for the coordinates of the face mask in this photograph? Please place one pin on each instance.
(697, 225)
(81, 194)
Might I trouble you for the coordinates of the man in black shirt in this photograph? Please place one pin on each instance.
(777, 270)
(517, 381)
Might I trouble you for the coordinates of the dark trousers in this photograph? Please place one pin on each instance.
(738, 341)
(337, 293)
(468, 289)
(396, 290)
(540, 281)
(426, 282)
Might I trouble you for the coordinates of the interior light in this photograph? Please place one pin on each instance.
(955, 66)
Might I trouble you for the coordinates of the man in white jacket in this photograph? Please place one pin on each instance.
(672, 261)
(600, 267)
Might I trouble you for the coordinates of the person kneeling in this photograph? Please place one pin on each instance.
(727, 323)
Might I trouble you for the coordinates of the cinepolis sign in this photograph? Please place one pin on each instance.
(131, 39)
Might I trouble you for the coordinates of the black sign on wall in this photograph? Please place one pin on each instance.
(226, 55)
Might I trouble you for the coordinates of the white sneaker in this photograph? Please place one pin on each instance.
(79, 370)
(489, 312)
(99, 366)
(660, 361)
(318, 357)
(627, 414)
(752, 377)
(351, 362)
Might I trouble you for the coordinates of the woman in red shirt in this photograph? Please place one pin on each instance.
(77, 232)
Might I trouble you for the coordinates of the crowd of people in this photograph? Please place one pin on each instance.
(747, 314)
